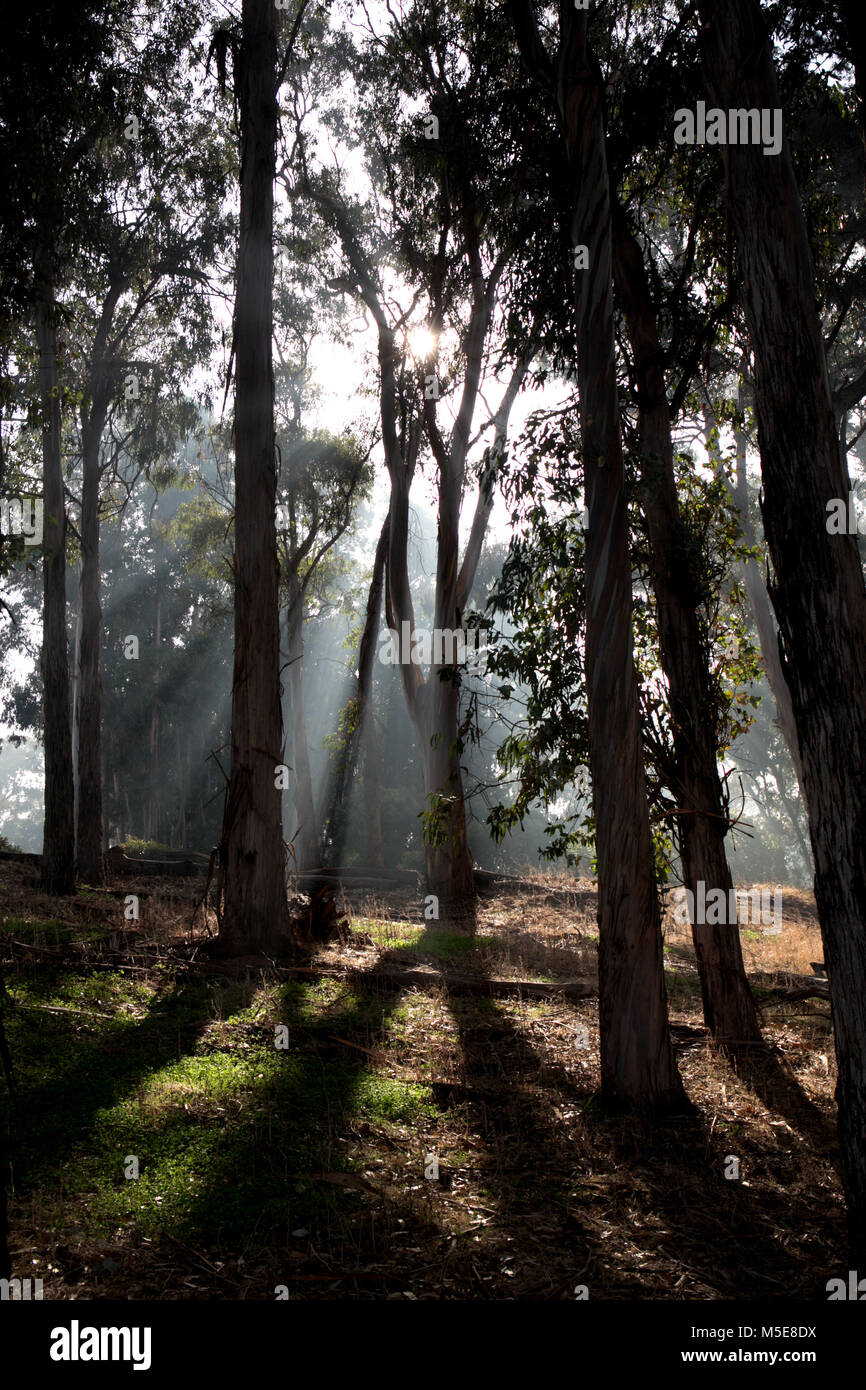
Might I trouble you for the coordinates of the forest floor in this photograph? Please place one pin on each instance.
(303, 1167)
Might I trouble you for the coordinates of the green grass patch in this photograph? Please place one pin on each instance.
(52, 932)
(228, 1132)
(683, 990)
(388, 935)
(434, 943)
(407, 941)
(133, 847)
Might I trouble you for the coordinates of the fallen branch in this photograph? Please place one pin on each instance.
(362, 871)
(491, 882)
(120, 865)
(380, 879)
(795, 987)
(62, 1009)
(815, 991)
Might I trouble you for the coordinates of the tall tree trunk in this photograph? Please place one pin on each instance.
(307, 841)
(450, 870)
(818, 592)
(436, 710)
(729, 1009)
(75, 684)
(252, 861)
(374, 844)
(768, 639)
(155, 779)
(183, 759)
(117, 812)
(334, 823)
(94, 413)
(58, 846)
(637, 1060)
(89, 729)
(5, 1256)
(854, 17)
(433, 703)
(436, 707)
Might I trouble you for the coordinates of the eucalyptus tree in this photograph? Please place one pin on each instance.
(56, 96)
(72, 99)
(827, 161)
(165, 559)
(433, 116)
(322, 480)
(356, 733)
(254, 907)
(664, 230)
(666, 227)
(637, 1061)
(818, 589)
(139, 320)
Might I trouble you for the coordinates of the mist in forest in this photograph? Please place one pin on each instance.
(433, 656)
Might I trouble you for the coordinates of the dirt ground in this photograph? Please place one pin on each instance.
(440, 1140)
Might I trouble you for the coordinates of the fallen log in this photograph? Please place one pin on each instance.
(355, 881)
(813, 991)
(117, 862)
(175, 855)
(489, 881)
(354, 871)
(786, 986)
(186, 864)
